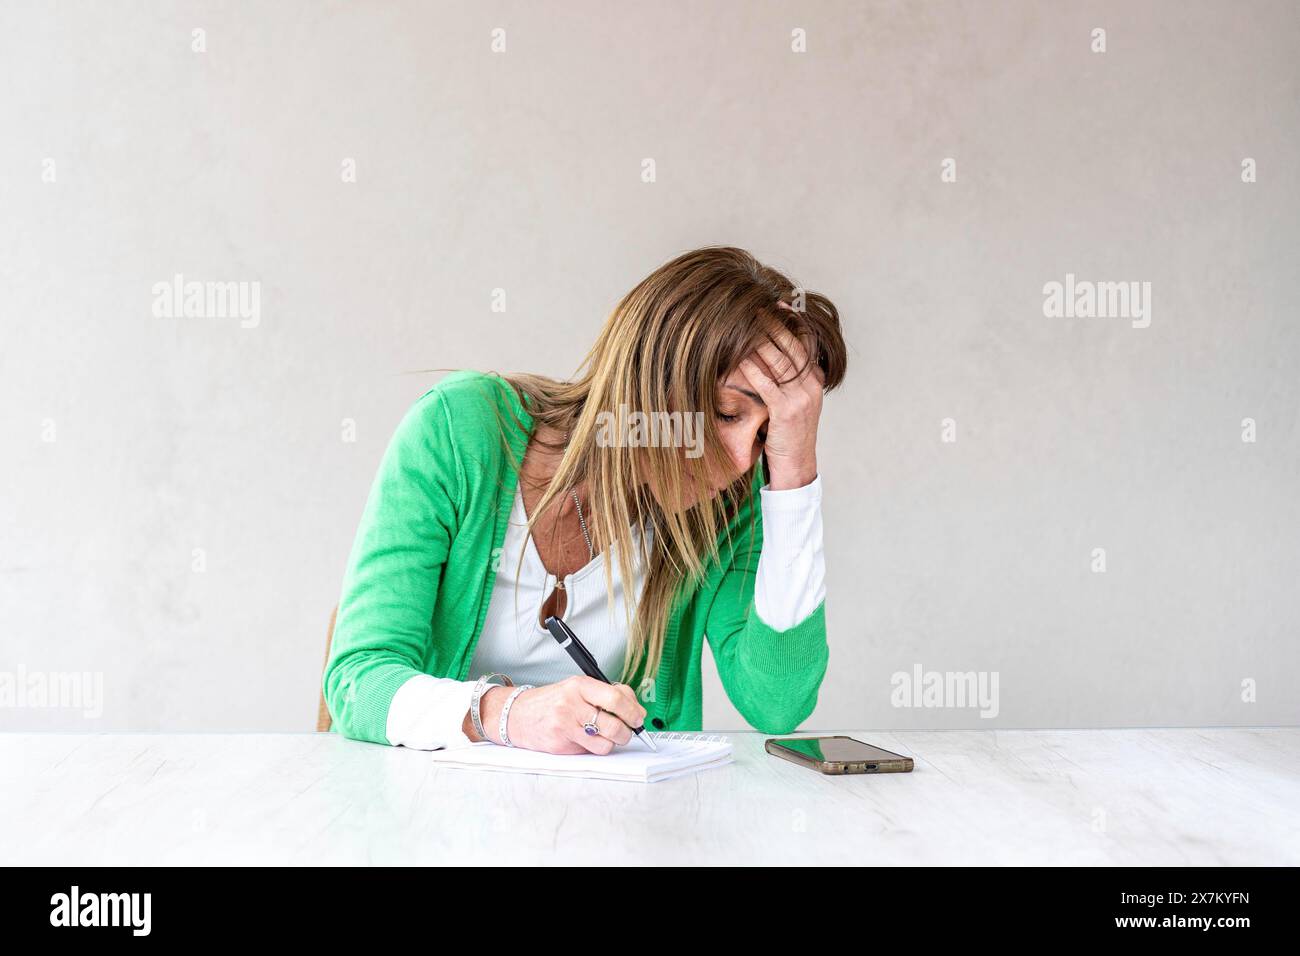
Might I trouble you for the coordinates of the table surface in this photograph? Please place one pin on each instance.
(1178, 796)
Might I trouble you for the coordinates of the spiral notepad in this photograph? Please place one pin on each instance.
(679, 753)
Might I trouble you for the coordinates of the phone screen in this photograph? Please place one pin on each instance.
(835, 748)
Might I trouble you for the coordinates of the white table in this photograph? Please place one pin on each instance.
(1168, 797)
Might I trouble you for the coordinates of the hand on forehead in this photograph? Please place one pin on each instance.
(793, 352)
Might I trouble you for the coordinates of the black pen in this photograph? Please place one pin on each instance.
(565, 637)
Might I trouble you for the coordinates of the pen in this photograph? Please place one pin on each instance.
(565, 637)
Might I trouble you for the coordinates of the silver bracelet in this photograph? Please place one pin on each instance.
(479, 690)
(505, 711)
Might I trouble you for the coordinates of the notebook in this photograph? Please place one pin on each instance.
(679, 753)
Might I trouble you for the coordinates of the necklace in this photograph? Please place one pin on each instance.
(591, 552)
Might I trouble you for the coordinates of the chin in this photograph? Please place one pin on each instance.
(682, 504)
(690, 497)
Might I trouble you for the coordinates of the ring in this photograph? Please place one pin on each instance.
(590, 726)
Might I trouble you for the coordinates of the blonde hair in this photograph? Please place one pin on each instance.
(666, 347)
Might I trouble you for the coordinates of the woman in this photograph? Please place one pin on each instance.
(681, 463)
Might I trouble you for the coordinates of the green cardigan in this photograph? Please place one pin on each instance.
(420, 573)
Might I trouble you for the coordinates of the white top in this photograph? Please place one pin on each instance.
(427, 712)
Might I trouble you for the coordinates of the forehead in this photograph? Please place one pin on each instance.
(735, 385)
(735, 378)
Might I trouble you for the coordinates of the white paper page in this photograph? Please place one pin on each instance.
(633, 761)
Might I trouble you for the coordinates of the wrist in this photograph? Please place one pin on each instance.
(786, 479)
(489, 708)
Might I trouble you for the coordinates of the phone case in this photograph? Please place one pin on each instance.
(894, 764)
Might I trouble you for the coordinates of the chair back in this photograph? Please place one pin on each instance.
(323, 719)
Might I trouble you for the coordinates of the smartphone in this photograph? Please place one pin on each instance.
(837, 755)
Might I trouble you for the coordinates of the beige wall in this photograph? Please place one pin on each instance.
(131, 440)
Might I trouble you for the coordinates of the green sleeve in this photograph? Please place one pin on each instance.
(772, 677)
(383, 632)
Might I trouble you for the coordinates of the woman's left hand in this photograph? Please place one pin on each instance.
(793, 409)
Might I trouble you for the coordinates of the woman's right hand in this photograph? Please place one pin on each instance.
(550, 717)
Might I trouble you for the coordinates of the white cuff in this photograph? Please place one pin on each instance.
(791, 577)
(791, 497)
(427, 713)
